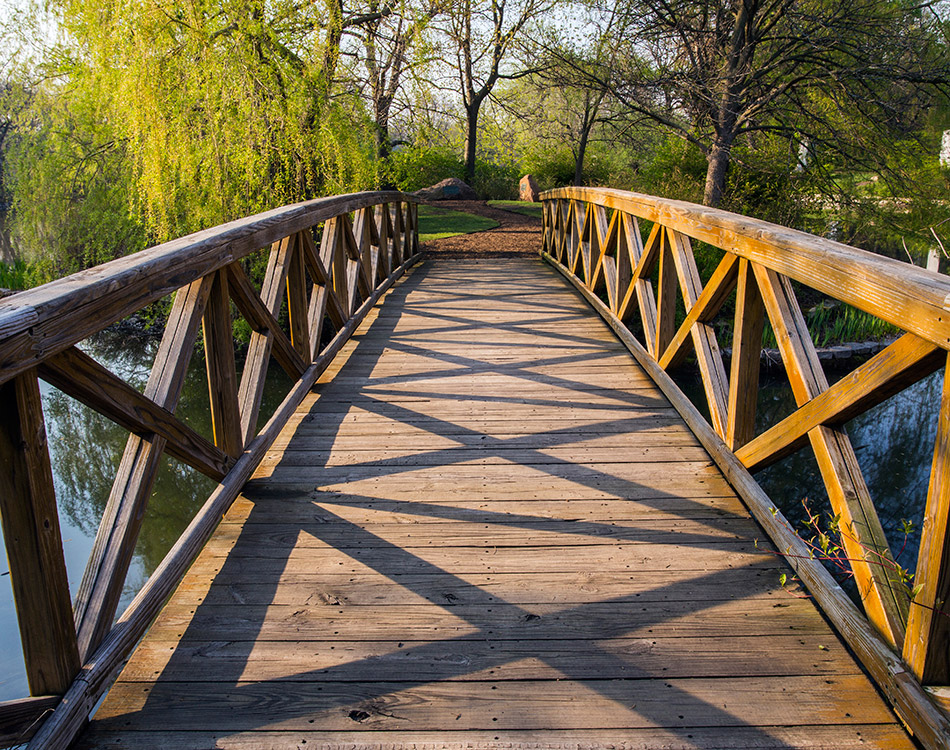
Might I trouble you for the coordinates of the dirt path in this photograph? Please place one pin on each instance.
(515, 236)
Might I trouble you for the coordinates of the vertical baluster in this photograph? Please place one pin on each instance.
(298, 308)
(385, 249)
(222, 374)
(746, 352)
(927, 643)
(666, 297)
(34, 545)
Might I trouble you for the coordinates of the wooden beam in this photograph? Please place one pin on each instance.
(883, 596)
(222, 373)
(746, 355)
(707, 305)
(263, 338)
(80, 376)
(890, 371)
(262, 321)
(297, 303)
(33, 541)
(666, 295)
(113, 548)
(928, 625)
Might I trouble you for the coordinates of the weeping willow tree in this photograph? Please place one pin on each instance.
(151, 119)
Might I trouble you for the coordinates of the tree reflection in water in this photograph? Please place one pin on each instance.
(85, 450)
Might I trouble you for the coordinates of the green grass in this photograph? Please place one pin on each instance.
(519, 207)
(439, 223)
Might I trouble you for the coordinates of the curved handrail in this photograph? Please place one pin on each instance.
(593, 236)
(330, 261)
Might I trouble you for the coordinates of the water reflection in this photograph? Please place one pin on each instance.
(894, 444)
(85, 450)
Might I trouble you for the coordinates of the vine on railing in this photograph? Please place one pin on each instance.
(329, 262)
(628, 269)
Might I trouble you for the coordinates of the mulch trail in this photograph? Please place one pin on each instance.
(515, 236)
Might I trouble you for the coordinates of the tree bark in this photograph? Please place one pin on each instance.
(471, 139)
(579, 157)
(718, 160)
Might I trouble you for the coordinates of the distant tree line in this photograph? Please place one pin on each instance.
(125, 124)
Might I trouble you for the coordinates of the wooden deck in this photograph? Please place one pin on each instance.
(488, 529)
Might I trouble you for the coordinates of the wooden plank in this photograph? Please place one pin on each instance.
(222, 374)
(903, 363)
(78, 375)
(869, 556)
(575, 588)
(848, 737)
(925, 646)
(104, 576)
(407, 623)
(606, 659)
(746, 362)
(33, 541)
(613, 704)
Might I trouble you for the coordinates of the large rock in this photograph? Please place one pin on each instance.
(451, 189)
(528, 189)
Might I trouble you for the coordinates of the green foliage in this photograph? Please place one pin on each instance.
(21, 275)
(496, 180)
(439, 223)
(417, 166)
(675, 169)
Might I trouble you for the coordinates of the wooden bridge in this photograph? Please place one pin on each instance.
(484, 516)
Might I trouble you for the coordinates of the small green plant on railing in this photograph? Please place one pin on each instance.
(826, 543)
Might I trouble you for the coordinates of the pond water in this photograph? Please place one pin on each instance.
(85, 450)
(893, 442)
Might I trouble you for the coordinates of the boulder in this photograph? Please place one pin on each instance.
(451, 189)
(528, 189)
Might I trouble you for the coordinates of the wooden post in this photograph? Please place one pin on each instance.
(33, 541)
(666, 297)
(746, 352)
(927, 644)
(222, 374)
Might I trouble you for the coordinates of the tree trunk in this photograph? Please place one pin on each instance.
(579, 158)
(718, 160)
(471, 139)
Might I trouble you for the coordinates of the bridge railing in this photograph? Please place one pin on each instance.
(330, 260)
(631, 255)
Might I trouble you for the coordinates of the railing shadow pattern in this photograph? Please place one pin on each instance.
(313, 502)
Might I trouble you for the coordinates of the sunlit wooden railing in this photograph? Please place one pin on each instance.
(330, 260)
(631, 256)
